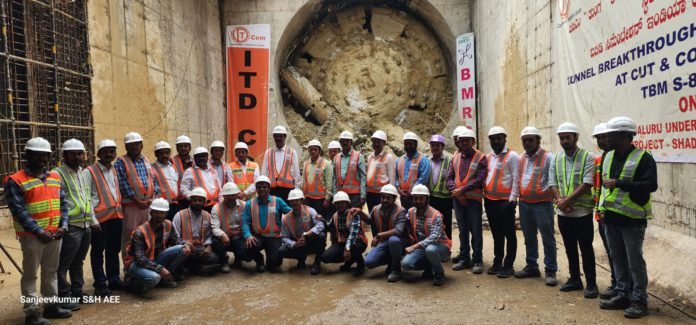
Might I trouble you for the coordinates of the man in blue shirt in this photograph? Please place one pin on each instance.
(412, 168)
(261, 226)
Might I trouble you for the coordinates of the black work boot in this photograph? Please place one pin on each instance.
(615, 303)
(636, 310)
(438, 279)
(528, 272)
(572, 285)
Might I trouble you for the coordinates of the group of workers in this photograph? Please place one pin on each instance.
(184, 213)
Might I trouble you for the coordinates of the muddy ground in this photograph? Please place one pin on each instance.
(338, 298)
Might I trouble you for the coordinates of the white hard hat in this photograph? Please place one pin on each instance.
(38, 144)
(241, 145)
(458, 130)
(73, 145)
(106, 144)
(198, 191)
(379, 134)
(314, 143)
(230, 188)
(600, 128)
(389, 189)
(280, 130)
(182, 139)
(295, 194)
(346, 135)
(496, 130)
(467, 133)
(568, 127)
(334, 145)
(420, 189)
(217, 144)
(160, 204)
(162, 145)
(200, 150)
(341, 196)
(132, 137)
(410, 136)
(621, 124)
(530, 130)
(263, 179)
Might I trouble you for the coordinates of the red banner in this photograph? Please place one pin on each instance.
(248, 61)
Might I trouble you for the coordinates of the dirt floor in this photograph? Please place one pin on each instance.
(296, 297)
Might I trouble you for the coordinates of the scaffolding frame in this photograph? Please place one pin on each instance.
(46, 73)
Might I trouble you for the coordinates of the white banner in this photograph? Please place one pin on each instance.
(635, 59)
(466, 80)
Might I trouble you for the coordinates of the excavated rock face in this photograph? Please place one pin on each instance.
(372, 68)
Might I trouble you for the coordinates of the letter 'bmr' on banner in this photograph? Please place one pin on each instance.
(466, 80)
(248, 61)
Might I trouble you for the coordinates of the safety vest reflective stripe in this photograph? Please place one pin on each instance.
(79, 204)
(440, 190)
(227, 222)
(150, 238)
(141, 191)
(42, 200)
(180, 169)
(375, 166)
(316, 189)
(240, 177)
(495, 189)
(406, 184)
(618, 200)
(429, 220)
(271, 229)
(284, 177)
(567, 187)
(167, 191)
(211, 198)
(377, 217)
(477, 193)
(343, 237)
(350, 183)
(290, 222)
(533, 193)
(187, 227)
(109, 207)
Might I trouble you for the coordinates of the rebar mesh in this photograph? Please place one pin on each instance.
(45, 74)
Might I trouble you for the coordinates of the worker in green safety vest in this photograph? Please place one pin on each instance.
(629, 176)
(571, 176)
(81, 220)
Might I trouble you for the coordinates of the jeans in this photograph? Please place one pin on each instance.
(314, 245)
(334, 254)
(72, 257)
(579, 232)
(605, 243)
(501, 218)
(406, 202)
(170, 259)
(626, 246)
(428, 259)
(270, 245)
(318, 206)
(387, 252)
(106, 244)
(199, 263)
(469, 221)
(538, 217)
(445, 206)
(237, 246)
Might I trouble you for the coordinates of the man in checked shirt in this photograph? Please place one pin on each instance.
(427, 232)
(155, 252)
